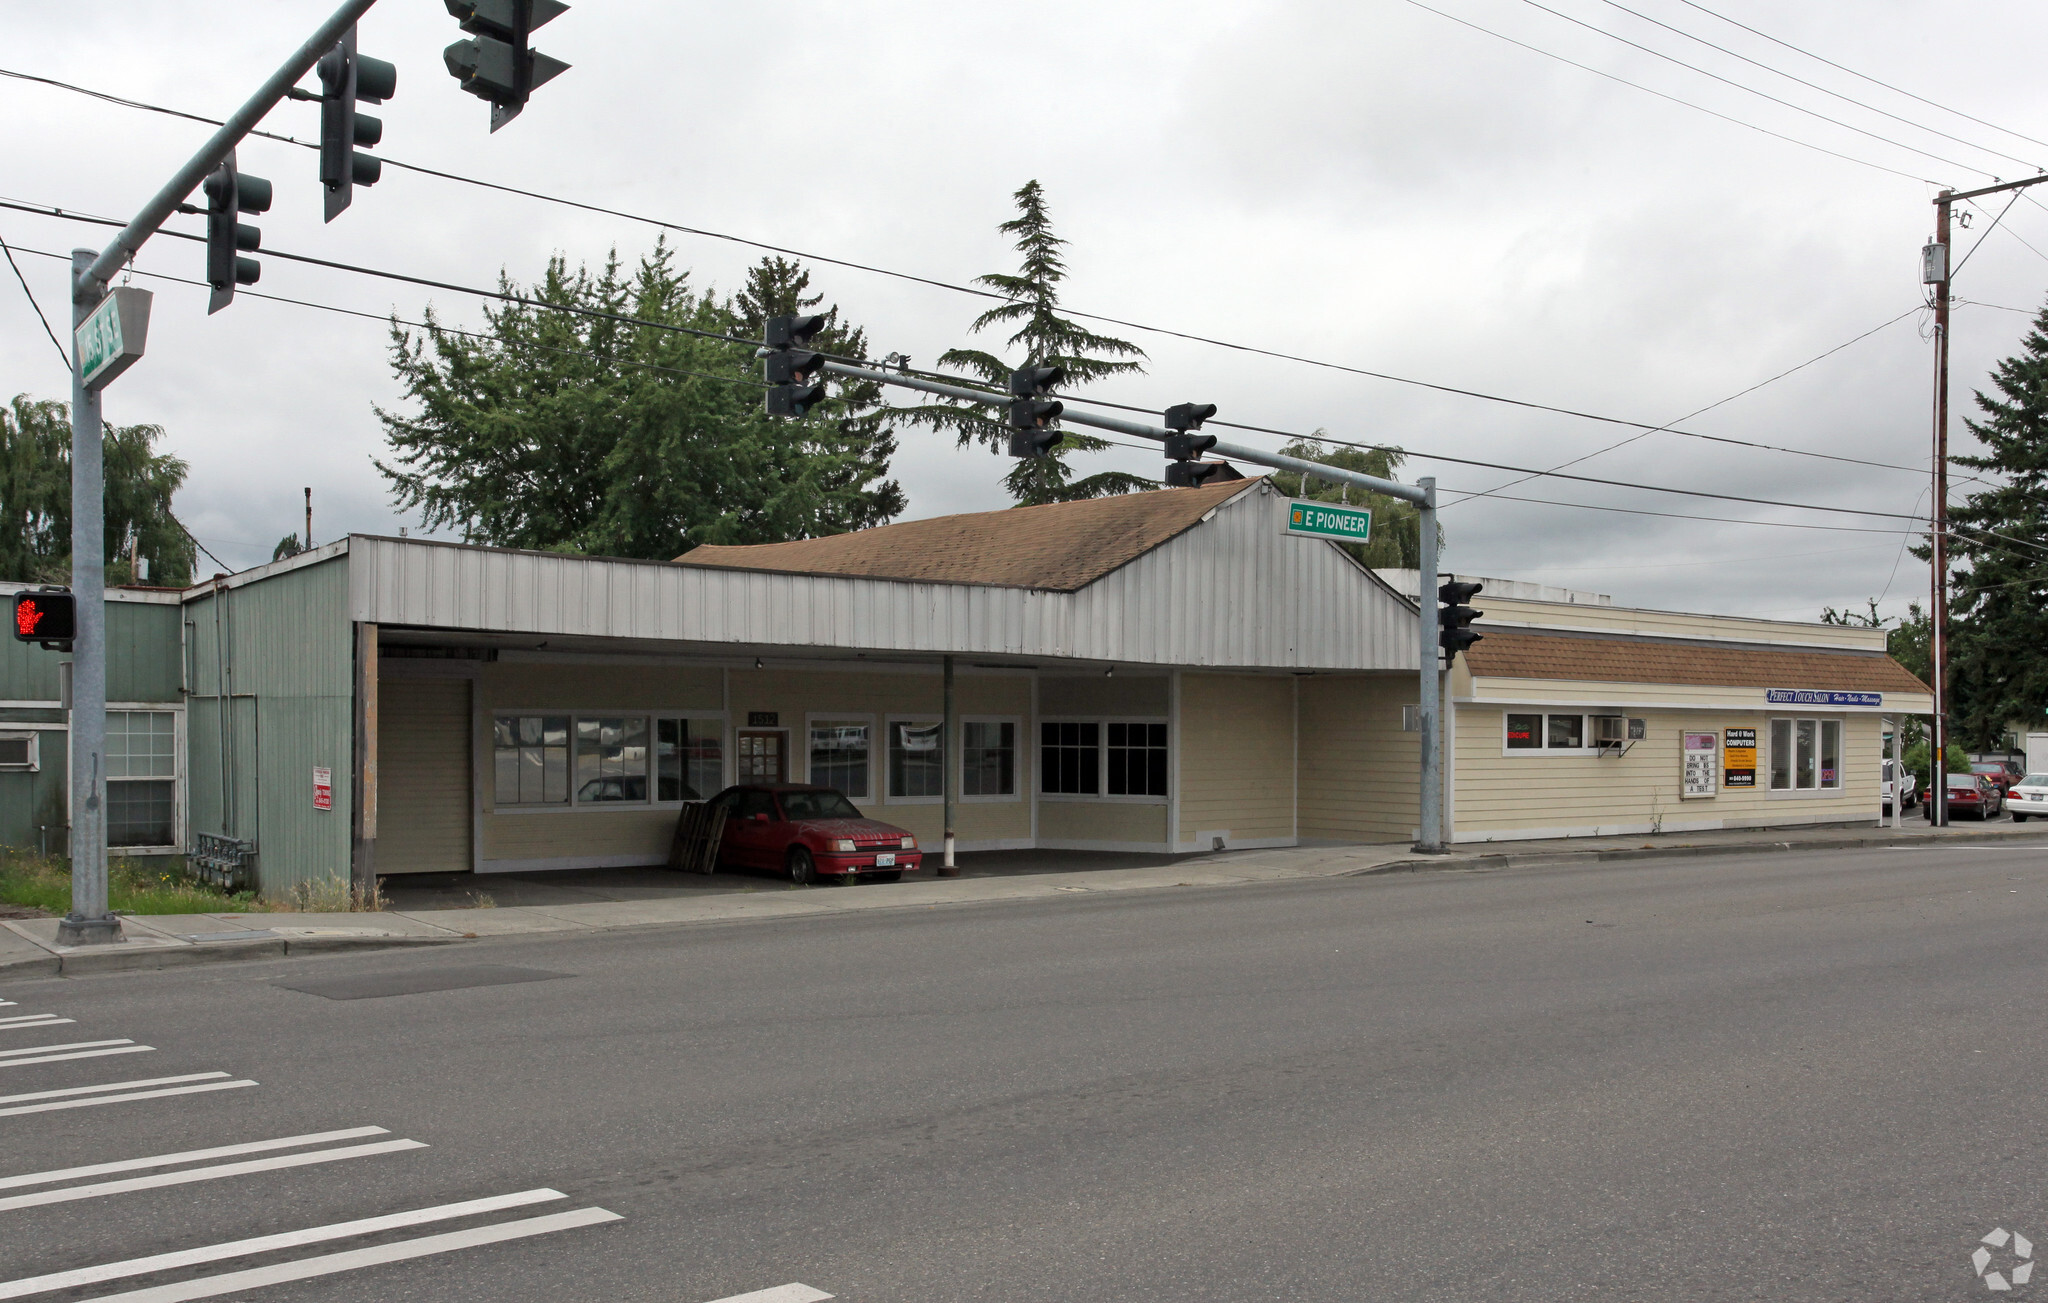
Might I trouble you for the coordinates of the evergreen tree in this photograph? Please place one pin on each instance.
(35, 498)
(1043, 338)
(571, 432)
(1998, 603)
(1396, 542)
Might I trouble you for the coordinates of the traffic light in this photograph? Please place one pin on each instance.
(496, 64)
(1185, 468)
(795, 374)
(1454, 618)
(49, 617)
(346, 77)
(1032, 413)
(229, 194)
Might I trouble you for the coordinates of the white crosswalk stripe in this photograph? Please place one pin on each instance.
(189, 1156)
(60, 1105)
(34, 1054)
(140, 1084)
(33, 1020)
(269, 1243)
(357, 1259)
(71, 1193)
(790, 1293)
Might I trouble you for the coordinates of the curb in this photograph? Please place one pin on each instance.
(79, 963)
(1551, 859)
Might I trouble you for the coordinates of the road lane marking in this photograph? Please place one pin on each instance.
(74, 1045)
(356, 1259)
(267, 1243)
(71, 1193)
(78, 1054)
(139, 1084)
(124, 1099)
(34, 1020)
(188, 1156)
(791, 1293)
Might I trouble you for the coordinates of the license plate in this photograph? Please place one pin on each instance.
(884, 861)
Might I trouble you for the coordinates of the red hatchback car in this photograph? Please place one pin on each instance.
(810, 832)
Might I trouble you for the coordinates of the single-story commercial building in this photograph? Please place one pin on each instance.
(1167, 671)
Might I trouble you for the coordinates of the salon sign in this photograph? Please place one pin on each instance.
(1803, 697)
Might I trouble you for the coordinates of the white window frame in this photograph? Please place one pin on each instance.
(179, 832)
(1022, 768)
(889, 722)
(1101, 792)
(1818, 792)
(1585, 747)
(867, 718)
(727, 761)
(34, 738)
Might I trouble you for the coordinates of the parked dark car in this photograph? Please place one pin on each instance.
(2002, 772)
(810, 832)
(1974, 795)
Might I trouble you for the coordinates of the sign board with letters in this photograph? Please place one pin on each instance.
(111, 339)
(1738, 758)
(323, 788)
(1802, 697)
(1325, 520)
(1701, 751)
(763, 718)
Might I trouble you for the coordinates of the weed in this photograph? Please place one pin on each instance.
(483, 900)
(133, 886)
(332, 896)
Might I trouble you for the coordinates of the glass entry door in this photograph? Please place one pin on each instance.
(763, 756)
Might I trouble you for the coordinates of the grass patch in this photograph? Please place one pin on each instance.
(133, 887)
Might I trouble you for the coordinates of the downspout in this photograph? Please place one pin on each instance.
(949, 757)
(220, 697)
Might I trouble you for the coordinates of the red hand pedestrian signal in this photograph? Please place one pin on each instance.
(45, 617)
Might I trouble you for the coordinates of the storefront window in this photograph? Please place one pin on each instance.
(1831, 753)
(1781, 755)
(1567, 732)
(611, 760)
(530, 759)
(1806, 755)
(1070, 758)
(1803, 767)
(1525, 732)
(839, 758)
(988, 759)
(689, 759)
(1137, 760)
(917, 760)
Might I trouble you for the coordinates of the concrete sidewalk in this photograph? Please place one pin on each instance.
(452, 912)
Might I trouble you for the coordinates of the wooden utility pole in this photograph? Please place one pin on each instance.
(1937, 768)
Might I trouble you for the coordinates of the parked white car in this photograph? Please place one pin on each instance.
(1912, 796)
(2029, 796)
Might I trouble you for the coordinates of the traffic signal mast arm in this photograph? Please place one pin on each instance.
(93, 281)
(1156, 433)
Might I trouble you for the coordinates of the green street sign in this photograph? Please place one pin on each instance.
(111, 339)
(1321, 520)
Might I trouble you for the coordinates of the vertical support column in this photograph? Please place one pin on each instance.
(1429, 829)
(90, 920)
(1937, 771)
(363, 851)
(949, 749)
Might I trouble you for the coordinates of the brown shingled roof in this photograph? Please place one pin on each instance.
(1627, 659)
(1062, 546)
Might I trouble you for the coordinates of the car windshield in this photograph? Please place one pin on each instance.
(817, 805)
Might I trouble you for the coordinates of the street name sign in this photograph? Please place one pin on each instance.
(1321, 520)
(111, 339)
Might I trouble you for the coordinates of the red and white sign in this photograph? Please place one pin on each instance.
(323, 788)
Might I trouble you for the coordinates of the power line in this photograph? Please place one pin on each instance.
(977, 292)
(1896, 90)
(507, 296)
(1733, 54)
(1585, 67)
(66, 357)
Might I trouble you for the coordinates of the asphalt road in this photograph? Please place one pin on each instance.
(1787, 1077)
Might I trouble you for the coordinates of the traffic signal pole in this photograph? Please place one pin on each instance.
(1429, 833)
(90, 921)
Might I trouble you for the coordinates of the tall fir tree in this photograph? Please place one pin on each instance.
(1998, 595)
(584, 432)
(1041, 337)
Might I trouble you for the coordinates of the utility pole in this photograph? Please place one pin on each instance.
(1430, 834)
(1937, 269)
(309, 518)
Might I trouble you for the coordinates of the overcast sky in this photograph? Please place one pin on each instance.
(1358, 181)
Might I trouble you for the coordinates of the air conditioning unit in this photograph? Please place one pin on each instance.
(1610, 735)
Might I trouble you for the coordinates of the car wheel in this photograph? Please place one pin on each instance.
(803, 871)
(2018, 817)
